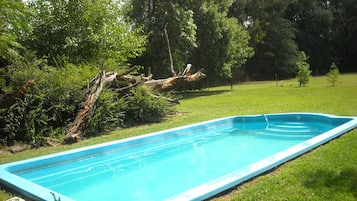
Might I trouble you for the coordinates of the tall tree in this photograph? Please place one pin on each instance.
(255, 15)
(156, 16)
(223, 44)
(200, 33)
(277, 56)
(272, 37)
(14, 25)
(81, 30)
(344, 34)
(313, 21)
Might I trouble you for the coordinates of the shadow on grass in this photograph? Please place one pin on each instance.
(194, 94)
(344, 181)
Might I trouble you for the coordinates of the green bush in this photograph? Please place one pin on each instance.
(303, 75)
(47, 107)
(54, 100)
(107, 115)
(333, 76)
(141, 107)
(32, 118)
(136, 107)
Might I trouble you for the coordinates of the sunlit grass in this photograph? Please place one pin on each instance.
(328, 172)
(265, 97)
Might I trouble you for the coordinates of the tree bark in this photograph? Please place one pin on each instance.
(76, 129)
(176, 82)
(170, 55)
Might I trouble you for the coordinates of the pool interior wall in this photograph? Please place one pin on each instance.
(9, 173)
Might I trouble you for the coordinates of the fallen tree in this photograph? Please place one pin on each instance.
(76, 129)
(175, 82)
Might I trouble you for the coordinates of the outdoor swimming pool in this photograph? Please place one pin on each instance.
(187, 163)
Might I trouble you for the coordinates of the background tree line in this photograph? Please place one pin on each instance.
(325, 30)
(51, 49)
(213, 35)
(265, 37)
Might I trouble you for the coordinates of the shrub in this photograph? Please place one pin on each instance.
(47, 107)
(333, 76)
(54, 100)
(136, 107)
(141, 107)
(303, 75)
(30, 119)
(107, 115)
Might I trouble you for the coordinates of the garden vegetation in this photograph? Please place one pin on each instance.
(326, 173)
(50, 51)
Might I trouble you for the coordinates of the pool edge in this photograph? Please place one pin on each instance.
(229, 180)
(236, 178)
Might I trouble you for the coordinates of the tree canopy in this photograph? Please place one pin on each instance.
(218, 36)
(83, 31)
(14, 25)
(324, 30)
(200, 33)
(222, 43)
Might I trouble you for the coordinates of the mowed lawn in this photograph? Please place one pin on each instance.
(326, 173)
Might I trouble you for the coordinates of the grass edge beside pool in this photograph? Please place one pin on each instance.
(247, 98)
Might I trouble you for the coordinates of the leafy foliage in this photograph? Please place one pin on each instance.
(134, 108)
(200, 33)
(67, 34)
(142, 107)
(333, 76)
(48, 106)
(14, 24)
(256, 15)
(325, 30)
(222, 42)
(54, 101)
(78, 31)
(278, 54)
(303, 75)
(157, 16)
(108, 114)
(344, 32)
(273, 38)
(313, 20)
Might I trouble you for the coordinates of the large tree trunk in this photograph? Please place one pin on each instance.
(77, 127)
(176, 82)
(75, 130)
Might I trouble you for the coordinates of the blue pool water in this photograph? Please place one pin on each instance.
(187, 163)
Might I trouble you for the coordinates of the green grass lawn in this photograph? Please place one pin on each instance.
(326, 173)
